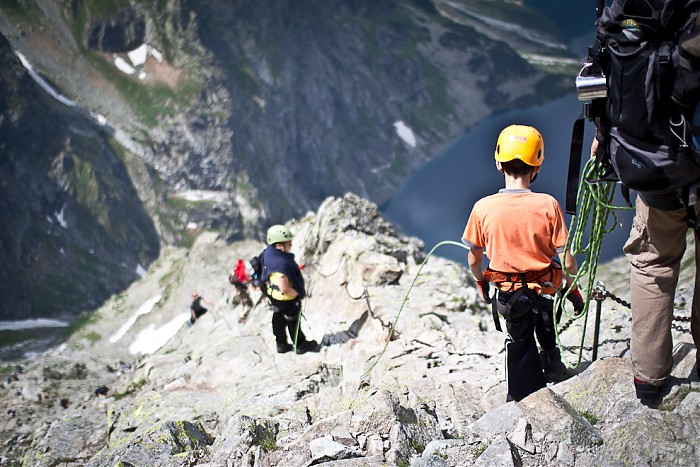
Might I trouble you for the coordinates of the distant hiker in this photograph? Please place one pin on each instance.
(196, 308)
(522, 232)
(239, 277)
(285, 289)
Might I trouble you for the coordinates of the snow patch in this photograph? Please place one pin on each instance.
(61, 220)
(143, 309)
(405, 133)
(142, 75)
(201, 195)
(140, 270)
(123, 66)
(191, 226)
(138, 55)
(32, 324)
(43, 83)
(155, 54)
(151, 339)
(101, 119)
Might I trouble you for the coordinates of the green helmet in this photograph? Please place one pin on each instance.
(278, 234)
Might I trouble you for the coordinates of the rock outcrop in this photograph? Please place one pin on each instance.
(410, 371)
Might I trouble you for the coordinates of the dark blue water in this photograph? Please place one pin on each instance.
(435, 201)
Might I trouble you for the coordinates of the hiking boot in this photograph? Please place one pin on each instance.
(284, 348)
(554, 369)
(646, 392)
(307, 346)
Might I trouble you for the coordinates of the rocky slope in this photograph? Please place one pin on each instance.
(231, 115)
(431, 393)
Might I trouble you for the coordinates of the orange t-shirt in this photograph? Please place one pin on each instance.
(521, 231)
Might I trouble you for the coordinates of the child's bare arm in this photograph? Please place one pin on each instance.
(475, 259)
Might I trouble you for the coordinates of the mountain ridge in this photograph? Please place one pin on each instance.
(410, 371)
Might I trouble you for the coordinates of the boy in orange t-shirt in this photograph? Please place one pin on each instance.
(522, 232)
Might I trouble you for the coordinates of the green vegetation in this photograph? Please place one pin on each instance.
(98, 8)
(93, 337)
(592, 419)
(21, 9)
(188, 239)
(479, 450)
(415, 444)
(266, 440)
(81, 322)
(131, 389)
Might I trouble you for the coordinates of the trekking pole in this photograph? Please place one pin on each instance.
(598, 295)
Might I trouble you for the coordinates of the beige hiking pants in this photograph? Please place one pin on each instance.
(654, 249)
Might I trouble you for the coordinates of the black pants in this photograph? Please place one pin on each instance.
(285, 316)
(198, 312)
(527, 315)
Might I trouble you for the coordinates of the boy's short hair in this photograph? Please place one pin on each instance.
(517, 167)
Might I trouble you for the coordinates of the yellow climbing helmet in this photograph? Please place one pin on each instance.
(520, 142)
(278, 234)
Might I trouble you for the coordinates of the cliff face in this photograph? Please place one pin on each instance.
(234, 115)
(73, 228)
(136, 386)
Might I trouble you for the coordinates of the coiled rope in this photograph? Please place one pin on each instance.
(596, 217)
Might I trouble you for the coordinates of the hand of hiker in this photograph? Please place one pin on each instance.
(576, 299)
(485, 290)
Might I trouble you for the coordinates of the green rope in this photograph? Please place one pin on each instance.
(393, 324)
(596, 212)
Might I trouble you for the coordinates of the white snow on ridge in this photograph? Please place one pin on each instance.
(155, 54)
(140, 270)
(43, 83)
(405, 133)
(143, 309)
(32, 324)
(123, 66)
(151, 339)
(201, 195)
(138, 55)
(61, 220)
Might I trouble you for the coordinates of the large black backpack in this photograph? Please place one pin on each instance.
(647, 55)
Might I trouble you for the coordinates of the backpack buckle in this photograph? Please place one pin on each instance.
(665, 53)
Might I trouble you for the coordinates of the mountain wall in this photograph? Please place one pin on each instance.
(231, 115)
(410, 370)
(74, 230)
